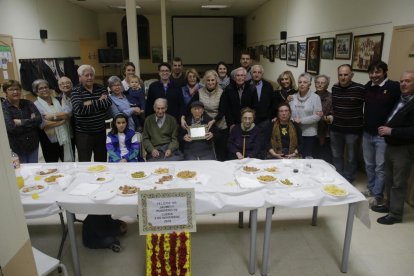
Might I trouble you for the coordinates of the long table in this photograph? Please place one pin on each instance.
(220, 187)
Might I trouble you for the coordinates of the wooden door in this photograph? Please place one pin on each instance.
(8, 68)
(402, 58)
(402, 51)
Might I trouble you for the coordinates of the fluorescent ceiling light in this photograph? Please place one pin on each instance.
(122, 7)
(215, 6)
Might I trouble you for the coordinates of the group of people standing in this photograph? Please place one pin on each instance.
(239, 114)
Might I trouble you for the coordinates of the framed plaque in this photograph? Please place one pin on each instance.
(197, 132)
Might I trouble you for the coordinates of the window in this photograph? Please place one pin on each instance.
(143, 37)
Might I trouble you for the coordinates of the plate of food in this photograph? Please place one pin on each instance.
(101, 196)
(102, 177)
(163, 170)
(47, 171)
(286, 182)
(97, 168)
(54, 178)
(186, 174)
(29, 190)
(334, 190)
(138, 175)
(271, 169)
(266, 179)
(250, 169)
(127, 190)
(165, 179)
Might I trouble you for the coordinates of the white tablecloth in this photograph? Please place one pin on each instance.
(218, 187)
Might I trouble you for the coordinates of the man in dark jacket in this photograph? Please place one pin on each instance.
(398, 132)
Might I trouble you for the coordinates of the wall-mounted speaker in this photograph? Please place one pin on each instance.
(283, 35)
(43, 34)
(111, 41)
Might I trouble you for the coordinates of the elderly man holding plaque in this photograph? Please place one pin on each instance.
(160, 134)
(197, 139)
(245, 138)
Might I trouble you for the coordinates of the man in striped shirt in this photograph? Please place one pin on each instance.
(347, 106)
(90, 103)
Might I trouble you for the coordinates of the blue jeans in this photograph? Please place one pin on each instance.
(31, 157)
(374, 147)
(340, 141)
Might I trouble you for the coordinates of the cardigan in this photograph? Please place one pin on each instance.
(154, 136)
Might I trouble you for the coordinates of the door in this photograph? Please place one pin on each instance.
(402, 58)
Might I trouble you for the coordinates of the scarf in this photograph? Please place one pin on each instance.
(247, 129)
(276, 139)
(224, 82)
(61, 132)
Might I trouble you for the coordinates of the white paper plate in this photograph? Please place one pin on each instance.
(294, 181)
(180, 174)
(101, 196)
(102, 178)
(245, 169)
(161, 170)
(46, 171)
(343, 194)
(267, 182)
(164, 182)
(49, 177)
(31, 189)
(119, 192)
(146, 174)
(96, 168)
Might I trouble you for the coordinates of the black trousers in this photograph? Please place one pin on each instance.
(88, 143)
(52, 152)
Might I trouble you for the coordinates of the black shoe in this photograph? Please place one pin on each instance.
(388, 220)
(380, 208)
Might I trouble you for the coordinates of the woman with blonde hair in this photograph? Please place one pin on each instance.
(287, 87)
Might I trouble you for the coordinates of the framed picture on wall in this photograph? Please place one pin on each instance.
(312, 55)
(327, 48)
(343, 46)
(302, 50)
(367, 49)
(283, 51)
(272, 53)
(277, 51)
(292, 53)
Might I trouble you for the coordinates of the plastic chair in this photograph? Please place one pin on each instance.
(46, 264)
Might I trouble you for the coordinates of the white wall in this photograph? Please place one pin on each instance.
(66, 24)
(324, 18)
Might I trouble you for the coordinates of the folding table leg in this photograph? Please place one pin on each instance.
(240, 219)
(253, 238)
(315, 215)
(348, 236)
(72, 238)
(64, 235)
(266, 240)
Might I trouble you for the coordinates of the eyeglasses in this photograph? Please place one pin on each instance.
(12, 89)
(42, 88)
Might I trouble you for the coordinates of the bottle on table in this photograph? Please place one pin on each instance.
(16, 165)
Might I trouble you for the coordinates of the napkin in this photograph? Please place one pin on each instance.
(200, 179)
(84, 189)
(302, 194)
(246, 182)
(27, 171)
(64, 182)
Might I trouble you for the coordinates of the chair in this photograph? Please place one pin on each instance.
(46, 264)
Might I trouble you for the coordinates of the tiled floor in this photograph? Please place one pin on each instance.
(220, 248)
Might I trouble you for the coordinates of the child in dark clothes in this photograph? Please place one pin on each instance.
(136, 96)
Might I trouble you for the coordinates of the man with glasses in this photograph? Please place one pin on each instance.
(167, 89)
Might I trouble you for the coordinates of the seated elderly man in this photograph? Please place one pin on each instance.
(160, 134)
(197, 140)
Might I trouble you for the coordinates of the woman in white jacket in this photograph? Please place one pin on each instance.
(306, 111)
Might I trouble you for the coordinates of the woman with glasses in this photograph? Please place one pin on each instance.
(22, 121)
(54, 133)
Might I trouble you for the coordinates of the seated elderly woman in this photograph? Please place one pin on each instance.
(120, 103)
(245, 138)
(286, 136)
(198, 146)
(55, 136)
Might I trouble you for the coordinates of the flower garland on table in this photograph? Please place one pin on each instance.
(169, 254)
